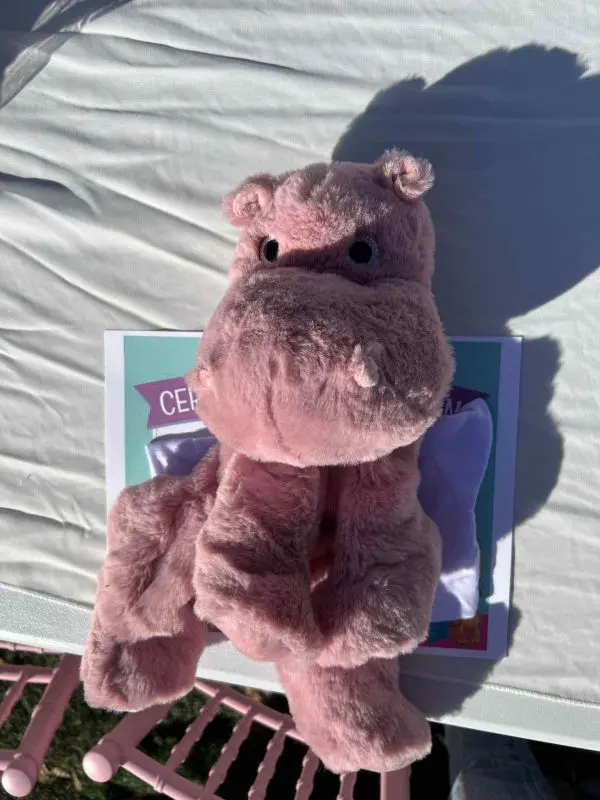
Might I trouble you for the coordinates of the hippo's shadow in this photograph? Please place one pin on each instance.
(513, 136)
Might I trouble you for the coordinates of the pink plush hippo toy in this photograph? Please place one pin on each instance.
(299, 535)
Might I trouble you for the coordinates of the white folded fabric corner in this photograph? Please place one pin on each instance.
(453, 460)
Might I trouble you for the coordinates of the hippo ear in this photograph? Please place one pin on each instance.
(249, 199)
(408, 176)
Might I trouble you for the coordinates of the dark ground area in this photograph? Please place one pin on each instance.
(573, 774)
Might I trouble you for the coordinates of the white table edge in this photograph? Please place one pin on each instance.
(38, 620)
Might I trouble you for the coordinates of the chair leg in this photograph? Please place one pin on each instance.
(23, 769)
(104, 759)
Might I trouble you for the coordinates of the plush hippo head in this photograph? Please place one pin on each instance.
(327, 347)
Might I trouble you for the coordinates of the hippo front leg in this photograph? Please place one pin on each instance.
(252, 568)
(376, 601)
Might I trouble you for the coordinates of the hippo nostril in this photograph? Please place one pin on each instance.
(200, 378)
(368, 375)
(363, 368)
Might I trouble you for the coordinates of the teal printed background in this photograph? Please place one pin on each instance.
(148, 358)
(151, 358)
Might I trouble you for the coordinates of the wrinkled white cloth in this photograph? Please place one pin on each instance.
(114, 159)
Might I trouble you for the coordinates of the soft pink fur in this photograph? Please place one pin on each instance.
(300, 535)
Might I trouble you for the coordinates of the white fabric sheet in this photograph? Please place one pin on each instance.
(117, 140)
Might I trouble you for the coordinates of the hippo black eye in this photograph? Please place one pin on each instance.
(363, 251)
(269, 250)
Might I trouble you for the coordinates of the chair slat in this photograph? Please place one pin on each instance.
(13, 695)
(217, 774)
(181, 750)
(268, 765)
(347, 783)
(12, 672)
(305, 781)
(163, 780)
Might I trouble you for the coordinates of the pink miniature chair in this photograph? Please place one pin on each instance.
(21, 767)
(119, 748)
